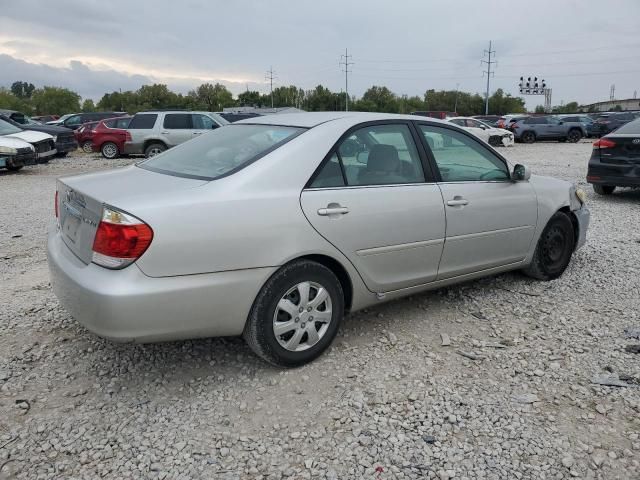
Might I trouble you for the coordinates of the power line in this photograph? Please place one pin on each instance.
(270, 76)
(488, 72)
(344, 60)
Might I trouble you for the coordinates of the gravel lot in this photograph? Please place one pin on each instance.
(387, 401)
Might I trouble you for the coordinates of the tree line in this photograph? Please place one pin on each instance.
(48, 100)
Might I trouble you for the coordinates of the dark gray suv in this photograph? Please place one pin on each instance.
(531, 129)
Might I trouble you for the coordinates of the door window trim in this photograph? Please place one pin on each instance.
(424, 163)
(460, 130)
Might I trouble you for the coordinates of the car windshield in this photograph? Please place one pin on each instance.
(632, 128)
(7, 129)
(221, 152)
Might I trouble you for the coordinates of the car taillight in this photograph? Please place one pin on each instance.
(55, 205)
(120, 239)
(127, 136)
(603, 143)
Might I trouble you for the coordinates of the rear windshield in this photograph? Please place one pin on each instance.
(221, 152)
(632, 128)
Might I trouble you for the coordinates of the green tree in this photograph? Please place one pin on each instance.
(378, 99)
(9, 101)
(55, 100)
(88, 106)
(22, 90)
(617, 108)
(321, 99)
(250, 99)
(500, 104)
(539, 109)
(211, 97)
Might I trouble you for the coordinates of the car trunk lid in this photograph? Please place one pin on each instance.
(625, 151)
(81, 200)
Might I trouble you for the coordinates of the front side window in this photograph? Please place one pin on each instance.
(459, 121)
(462, 159)
(177, 121)
(143, 121)
(75, 120)
(380, 155)
(222, 152)
(203, 122)
(7, 128)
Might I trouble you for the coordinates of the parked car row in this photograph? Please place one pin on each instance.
(19, 147)
(492, 135)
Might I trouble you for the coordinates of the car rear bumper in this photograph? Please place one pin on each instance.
(619, 175)
(128, 306)
(133, 148)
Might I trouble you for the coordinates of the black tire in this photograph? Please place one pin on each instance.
(259, 329)
(14, 168)
(154, 149)
(110, 150)
(87, 146)
(574, 136)
(62, 154)
(528, 137)
(554, 249)
(604, 189)
(495, 141)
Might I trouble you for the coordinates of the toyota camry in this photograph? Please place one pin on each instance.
(275, 227)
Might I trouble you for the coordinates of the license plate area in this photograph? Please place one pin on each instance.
(71, 221)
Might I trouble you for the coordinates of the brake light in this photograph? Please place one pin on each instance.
(55, 205)
(127, 136)
(603, 143)
(120, 239)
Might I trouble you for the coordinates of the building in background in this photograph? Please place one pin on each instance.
(612, 105)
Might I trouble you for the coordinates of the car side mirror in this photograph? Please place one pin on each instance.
(521, 173)
(560, 122)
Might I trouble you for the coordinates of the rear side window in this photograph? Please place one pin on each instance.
(222, 152)
(177, 121)
(110, 123)
(143, 121)
(330, 175)
(632, 128)
(535, 121)
(122, 122)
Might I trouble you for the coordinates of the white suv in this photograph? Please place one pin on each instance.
(153, 132)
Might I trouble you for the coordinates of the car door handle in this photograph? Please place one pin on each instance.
(325, 212)
(164, 133)
(457, 201)
(197, 133)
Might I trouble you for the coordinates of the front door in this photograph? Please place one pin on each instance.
(372, 200)
(490, 218)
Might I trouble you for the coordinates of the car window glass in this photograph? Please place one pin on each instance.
(553, 121)
(632, 128)
(74, 120)
(381, 155)
(203, 122)
(177, 121)
(144, 121)
(122, 122)
(462, 159)
(473, 123)
(330, 175)
(110, 123)
(458, 121)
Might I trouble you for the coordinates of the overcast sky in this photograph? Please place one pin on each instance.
(580, 47)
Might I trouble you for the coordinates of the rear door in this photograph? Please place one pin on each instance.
(490, 219)
(374, 201)
(177, 128)
(139, 128)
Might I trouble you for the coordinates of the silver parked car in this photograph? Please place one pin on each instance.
(274, 227)
(155, 131)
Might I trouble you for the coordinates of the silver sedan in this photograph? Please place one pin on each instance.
(274, 227)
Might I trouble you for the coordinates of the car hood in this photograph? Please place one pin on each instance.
(31, 136)
(7, 141)
(498, 131)
(49, 129)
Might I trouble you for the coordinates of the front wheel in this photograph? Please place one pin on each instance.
(14, 168)
(87, 147)
(296, 315)
(603, 189)
(554, 249)
(110, 150)
(154, 149)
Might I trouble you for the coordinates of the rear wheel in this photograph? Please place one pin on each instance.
(574, 136)
(528, 137)
(554, 249)
(87, 147)
(296, 315)
(110, 150)
(603, 189)
(154, 149)
(62, 154)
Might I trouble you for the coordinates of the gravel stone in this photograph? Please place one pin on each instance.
(378, 405)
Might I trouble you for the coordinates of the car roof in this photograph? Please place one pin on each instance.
(312, 119)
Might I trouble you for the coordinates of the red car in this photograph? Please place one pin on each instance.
(109, 136)
(84, 136)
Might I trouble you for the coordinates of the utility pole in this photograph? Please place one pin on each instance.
(489, 62)
(612, 92)
(455, 105)
(270, 75)
(345, 61)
